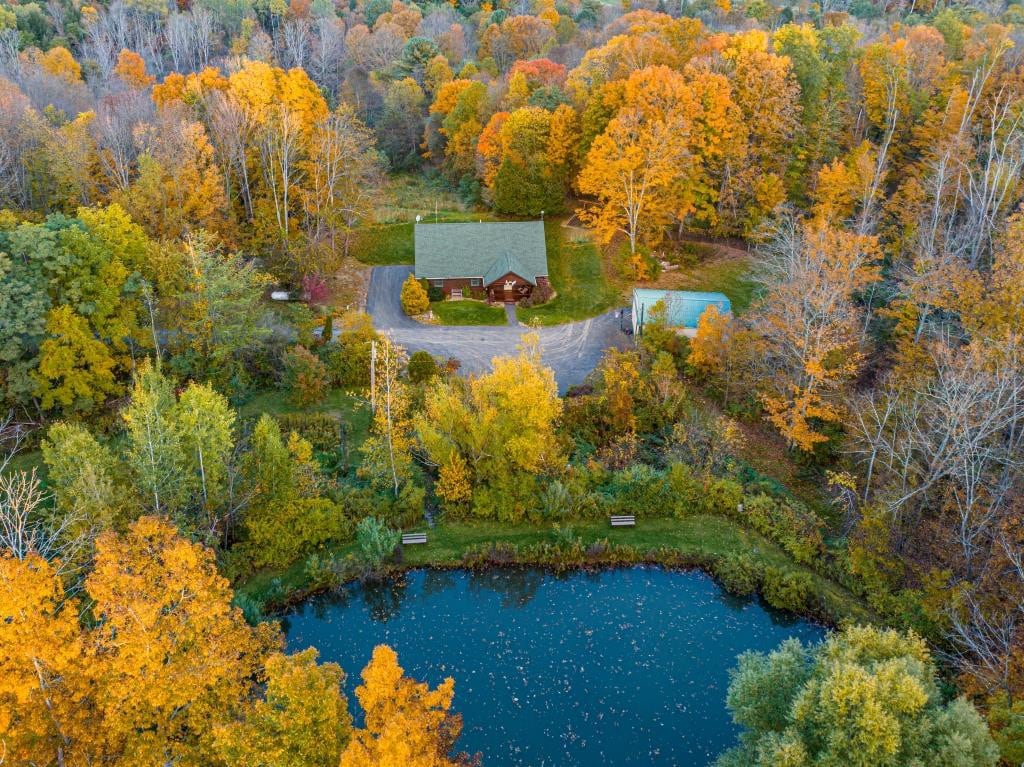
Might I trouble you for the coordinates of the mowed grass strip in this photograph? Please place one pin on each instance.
(468, 313)
(699, 535)
(577, 274)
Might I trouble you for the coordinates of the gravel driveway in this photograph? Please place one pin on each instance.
(571, 350)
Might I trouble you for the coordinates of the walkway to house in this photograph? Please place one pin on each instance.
(571, 350)
(510, 315)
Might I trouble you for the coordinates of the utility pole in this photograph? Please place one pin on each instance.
(373, 376)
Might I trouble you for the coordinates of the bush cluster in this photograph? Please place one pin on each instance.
(321, 430)
(788, 523)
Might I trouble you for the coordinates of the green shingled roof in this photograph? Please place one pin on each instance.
(488, 251)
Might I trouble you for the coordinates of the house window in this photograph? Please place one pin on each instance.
(437, 283)
(475, 282)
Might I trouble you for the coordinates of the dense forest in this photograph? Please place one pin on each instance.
(180, 456)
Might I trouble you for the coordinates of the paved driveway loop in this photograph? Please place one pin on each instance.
(571, 350)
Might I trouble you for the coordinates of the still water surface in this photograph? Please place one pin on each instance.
(620, 667)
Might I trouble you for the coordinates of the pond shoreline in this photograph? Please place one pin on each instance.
(396, 575)
(496, 557)
(551, 669)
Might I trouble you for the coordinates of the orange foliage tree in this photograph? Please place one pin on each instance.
(407, 723)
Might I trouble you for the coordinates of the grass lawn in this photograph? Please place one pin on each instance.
(713, 536)
(406, 195)
(351, 409)
(383, 244)
(727, 273)
(391, 244)
(577, 274)
(467, 313)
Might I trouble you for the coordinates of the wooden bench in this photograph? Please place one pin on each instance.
(408, 538)
(625, 520)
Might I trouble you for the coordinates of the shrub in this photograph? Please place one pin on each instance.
(799, 533)
(435, 293)
(787, 590)
(321, 430)
(407, 508)
(740, 573)
(687, 492)
(414, 297)
(541, 294)
(554, 501)
(348, 357)
(691, 494)
(789, 524)
(305, 376)
(759, 512)
(327, 329)
(376, 541)
(323, 571)
(252, 609)
(280, 533)
(422, 367)
(721, 497)
(314, 289)
(640, 490)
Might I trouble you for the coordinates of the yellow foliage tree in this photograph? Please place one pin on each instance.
(407, 723)
(59, 62)
(811, 325)
(414, 298)
(495, 434)
(131, 69)
(175, 655)
(179, 188)
(44, 715)
(302, 722)
(636, 168)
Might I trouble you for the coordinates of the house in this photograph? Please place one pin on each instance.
(682, 307)
(505, 261)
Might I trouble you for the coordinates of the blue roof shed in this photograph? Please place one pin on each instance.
(683, 307)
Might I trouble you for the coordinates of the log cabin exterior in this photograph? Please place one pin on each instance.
(504, 260)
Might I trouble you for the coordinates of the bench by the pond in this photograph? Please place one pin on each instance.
(624, 520)
(408, 538)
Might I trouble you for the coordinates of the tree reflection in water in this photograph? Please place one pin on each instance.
(516, 586)
(383, 598)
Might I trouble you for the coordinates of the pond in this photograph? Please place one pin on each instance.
(618, 667)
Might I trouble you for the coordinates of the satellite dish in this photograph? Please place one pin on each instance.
(417, 218)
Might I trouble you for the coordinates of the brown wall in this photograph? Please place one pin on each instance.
(495, 290)
(520, 289)
(456, 282)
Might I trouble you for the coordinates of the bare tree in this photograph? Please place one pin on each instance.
(344, 170)
(25, 529)
(58, 14)
(296, 42)
(231, 131)
(377, 50)
(327, 55)
(954, 440)
(118, 120)
(10, 42)
(15, 141)
(189, 38)
(280, 148)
